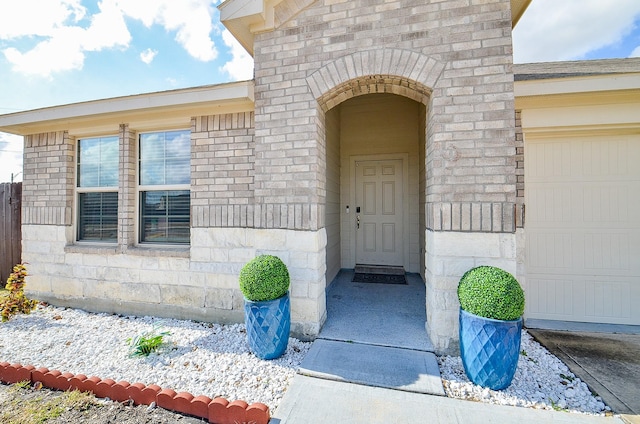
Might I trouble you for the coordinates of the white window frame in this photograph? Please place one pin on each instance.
(80, 190)
(146, 188)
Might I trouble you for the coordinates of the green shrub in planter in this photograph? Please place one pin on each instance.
(264, 278)
(491, 292)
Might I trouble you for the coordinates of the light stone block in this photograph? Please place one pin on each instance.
(182, 295)
(282, 254)
(201, 254)
(228, 237)
(173, 264)
(218, 254)
(456, 267)
(93, 259)
(273, 240)
(299, 289)
(103, 290)
(150, 263)
(241, 255)
(53, 233)
(67, 286)
(57, 270)
(38, 283)
(218, 298)
(42, 247)
(84, 272)
(124, 261)
(305, 310)
(129, 275)
(73, 259)
(146, 293)
(483, 245)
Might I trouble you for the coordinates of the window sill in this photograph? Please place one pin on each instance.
(159, 250)
(92, 248)
(112, 249)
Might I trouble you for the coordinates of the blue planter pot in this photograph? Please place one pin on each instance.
(489, 349)
(268, 323)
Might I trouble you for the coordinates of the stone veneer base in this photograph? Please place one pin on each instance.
(218, 410)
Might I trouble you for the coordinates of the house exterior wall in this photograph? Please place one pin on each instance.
(455, 58)
(273, 180)
(194, 282)
(333, 224)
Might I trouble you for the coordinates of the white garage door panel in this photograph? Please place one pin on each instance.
(583, 229)
(606, 252)
(584, 299)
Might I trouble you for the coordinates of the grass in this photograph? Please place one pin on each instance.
(36, 408)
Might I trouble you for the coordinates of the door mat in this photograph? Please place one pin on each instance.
(378, 278)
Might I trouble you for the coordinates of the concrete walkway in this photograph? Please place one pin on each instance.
(378, 314)
(316, 401)
(364, 370)
(380, 366)
(608, 363)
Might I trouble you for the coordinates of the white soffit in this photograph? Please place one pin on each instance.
(145, 111)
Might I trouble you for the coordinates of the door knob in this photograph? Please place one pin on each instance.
(358, 222)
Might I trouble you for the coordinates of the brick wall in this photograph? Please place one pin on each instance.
(519, 171)
(47, 189)
(127, 190)
(222, 171)
(453, 56)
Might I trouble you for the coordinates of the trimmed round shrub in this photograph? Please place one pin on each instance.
(491, 292)
(265, 277)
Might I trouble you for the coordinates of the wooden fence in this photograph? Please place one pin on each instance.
(10, 231)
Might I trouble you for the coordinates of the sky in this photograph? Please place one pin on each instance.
(78, 50)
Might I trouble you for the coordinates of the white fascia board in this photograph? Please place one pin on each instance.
(574, 85)
(232, 96)
(240, 16)
(237, 9)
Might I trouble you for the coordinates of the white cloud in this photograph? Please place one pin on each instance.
(240, 67)
(108, 29)
(37, 17)
(148, 55)
(63, 32)
(10, 157)
(553, 30)
(192, 19)
(65, 45)
(635, 52)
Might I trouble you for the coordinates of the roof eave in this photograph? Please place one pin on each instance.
(172, 108)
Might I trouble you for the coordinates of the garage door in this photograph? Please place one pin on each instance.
(582, 228)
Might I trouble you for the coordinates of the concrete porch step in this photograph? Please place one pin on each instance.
(378, 366)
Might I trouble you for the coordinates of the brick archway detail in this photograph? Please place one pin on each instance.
(396, 71)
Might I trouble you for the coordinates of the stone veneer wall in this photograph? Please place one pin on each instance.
(194, 282)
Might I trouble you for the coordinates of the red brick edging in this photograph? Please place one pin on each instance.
(217, 411)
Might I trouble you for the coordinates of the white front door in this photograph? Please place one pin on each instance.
(379, 214)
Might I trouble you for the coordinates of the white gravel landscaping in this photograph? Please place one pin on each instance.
(199, 358)
(541, 381)
(214, 360)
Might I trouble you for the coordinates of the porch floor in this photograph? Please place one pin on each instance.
(378, 314)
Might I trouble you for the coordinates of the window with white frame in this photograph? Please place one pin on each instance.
(163, 187)
(97, 189)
